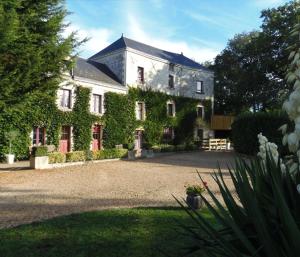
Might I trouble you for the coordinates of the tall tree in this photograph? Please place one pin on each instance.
(249, 73)
(33, 51)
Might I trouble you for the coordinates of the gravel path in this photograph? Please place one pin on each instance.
(32, 195)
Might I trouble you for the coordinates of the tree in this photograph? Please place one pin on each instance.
(33, 52)
(249, 73)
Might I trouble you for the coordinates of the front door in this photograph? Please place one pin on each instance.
(64, 142)
(97, 130)
(138, 139)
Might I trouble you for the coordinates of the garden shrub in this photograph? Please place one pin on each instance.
(56, 157)
(112, 153)
(180, 148)
(39, 151)
(76, 156)
(247, 126)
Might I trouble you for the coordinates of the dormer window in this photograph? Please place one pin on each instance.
(140, 74)
(200, 88)
(171, 108)
(171, 81)
(171, 67)
(140, 111)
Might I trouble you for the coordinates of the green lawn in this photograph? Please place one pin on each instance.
(137, 232)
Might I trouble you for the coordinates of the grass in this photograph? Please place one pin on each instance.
(124, 232)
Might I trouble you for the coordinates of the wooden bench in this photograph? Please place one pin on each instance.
(217, 144)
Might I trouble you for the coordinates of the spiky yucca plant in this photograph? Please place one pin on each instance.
(260, 218)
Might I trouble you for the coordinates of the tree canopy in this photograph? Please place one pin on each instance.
(33, 51)
(250, 71)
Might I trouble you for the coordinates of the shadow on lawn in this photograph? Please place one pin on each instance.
(138, 232)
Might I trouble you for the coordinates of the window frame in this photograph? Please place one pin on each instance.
(36, 132)
(140, 110)
(63, 98)
(201, 91)
(171, 103)
(140, 75)
(171, 67)
(171, 81)
(100, 101)
(202, 112)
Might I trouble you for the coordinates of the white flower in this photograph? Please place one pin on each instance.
(293, 142)
(283, 129)
(298, 188)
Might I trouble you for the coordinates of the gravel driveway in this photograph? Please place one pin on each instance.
(32, 195)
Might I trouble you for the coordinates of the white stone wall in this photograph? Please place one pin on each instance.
(156, 76)
(115, 61)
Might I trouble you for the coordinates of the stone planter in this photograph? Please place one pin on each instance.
(39, 162)
(10, 158)
(131, 154)
(150, 154)
(194, 201)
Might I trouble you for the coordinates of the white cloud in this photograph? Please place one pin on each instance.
(198, 53)
(99, 38)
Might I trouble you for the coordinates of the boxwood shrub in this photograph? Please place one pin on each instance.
(57, 157)
(110, 154)
(247, 126)
(39, 151)
(76, 156)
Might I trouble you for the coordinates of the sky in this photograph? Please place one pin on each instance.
(200, 29)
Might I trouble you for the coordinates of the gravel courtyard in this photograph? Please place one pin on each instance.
(32, 195)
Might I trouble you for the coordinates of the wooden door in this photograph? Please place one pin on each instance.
(97, 131)
(64, 142)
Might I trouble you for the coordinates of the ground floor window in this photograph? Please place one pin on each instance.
(65, 139)
(97, 137)
(168, 134)
(39, 136)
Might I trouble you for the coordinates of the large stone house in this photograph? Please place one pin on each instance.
(128, 63)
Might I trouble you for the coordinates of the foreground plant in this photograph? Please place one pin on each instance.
(261, 218)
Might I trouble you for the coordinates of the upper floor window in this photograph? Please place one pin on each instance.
(140, 111)
(171, 67)
(171, 81)
(200, 88)
(39, 136)
(65, 100)
(140, 75)
(171, 109)
(97, 103)
(200, 111)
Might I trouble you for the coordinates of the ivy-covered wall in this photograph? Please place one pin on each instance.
(120, 115)
(42, 111)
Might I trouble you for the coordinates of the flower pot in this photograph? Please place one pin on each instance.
(10, 158)
(194, 201)
(131, 154)
(39, 162)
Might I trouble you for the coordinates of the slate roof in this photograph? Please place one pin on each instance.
(124, 42)
(95, 71)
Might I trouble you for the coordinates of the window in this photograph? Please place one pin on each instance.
(65, 133)
(171, 81)
(65, 98)
(200, 89)
(97, 103)
(38, 136)
(140, 75)
(140, 111)
(171, 67)
(168, 134)
(200, 111)
(171, 109)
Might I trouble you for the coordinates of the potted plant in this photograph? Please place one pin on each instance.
(193, 198)
(131, 151)
(11, 137)
(39, 157)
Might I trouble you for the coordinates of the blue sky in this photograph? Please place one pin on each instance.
(198, 28)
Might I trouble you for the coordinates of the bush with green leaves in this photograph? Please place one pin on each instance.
(112, 153)
(38, 151)
(56, 157)
(261, 216)
(76, 156)
(247, 126)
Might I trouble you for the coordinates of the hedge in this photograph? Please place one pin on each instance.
(76, 156)
(56, 157)
(247, 126)
(39, 151)
(110, 154)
